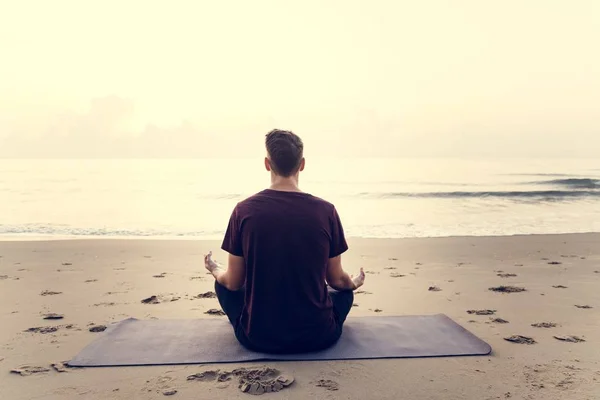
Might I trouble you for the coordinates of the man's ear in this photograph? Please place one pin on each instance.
(302, 164)
(267, 164)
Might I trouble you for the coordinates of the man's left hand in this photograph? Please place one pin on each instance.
(209, 264)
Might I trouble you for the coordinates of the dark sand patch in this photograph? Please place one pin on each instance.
(161, 275)
(396, 275)
(520, 339)
(67, 263)
(354, 305)
(362, 292)
(481, 312)
(196, 277)
(42, 329)
(434, 289)
(393, 259)
(506, 275)
(554, 263)
(105, 304)
(559, 287)
(151, 300)
(49, 293)
(571, 339)
(499, 321)
(255, 381)
(214, 311)
(389, 268)
(328, 384)
(97, 328)
(507, 289)
(544, 325)
(53, 316)
(371, 272)
(27, 370)
(377, 310)
(206, 295)
(91, 280)
(586, 307)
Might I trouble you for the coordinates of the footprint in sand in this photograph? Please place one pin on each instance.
(586, 307)
(327, 384)
(396, 275)
(91, 280)
(151, 300)
(53, 316)
(520, 339)
(506, 275)
(62, 366)
(97, 328)
(434, 289)
(161, 275)
(42, 329)
(214, 311)
(571, 339)
(559, 287)
(389, 268)
(554, 263)
(377, 310)
(507, 289)
(544, 325)
(206, 295)
(499, 321)
(49, 293)
(66, 263)
(362, 292)
(27, 370)
(481, 312)
(354, 305)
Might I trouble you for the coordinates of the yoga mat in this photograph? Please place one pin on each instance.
(210, 340)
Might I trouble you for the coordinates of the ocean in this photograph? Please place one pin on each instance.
(376, 198)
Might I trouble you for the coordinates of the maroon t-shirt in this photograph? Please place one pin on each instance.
(286, 239)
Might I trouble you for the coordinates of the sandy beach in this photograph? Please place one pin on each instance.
(97, 282)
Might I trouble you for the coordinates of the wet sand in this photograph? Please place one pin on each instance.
(534, 299)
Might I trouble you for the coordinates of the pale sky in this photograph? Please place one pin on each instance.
(358, 78)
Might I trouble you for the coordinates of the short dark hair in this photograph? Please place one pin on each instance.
(285, 150)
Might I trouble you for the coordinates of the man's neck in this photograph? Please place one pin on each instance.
(285, 184)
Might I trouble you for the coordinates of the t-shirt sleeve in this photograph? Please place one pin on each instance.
(232, 242)
(338, 243)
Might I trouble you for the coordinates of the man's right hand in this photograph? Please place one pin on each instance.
(358, 280)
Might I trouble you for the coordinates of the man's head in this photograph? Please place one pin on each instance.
(285, 153)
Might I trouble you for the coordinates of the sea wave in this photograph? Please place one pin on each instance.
(575, 183)
(536, 194)
(68, 231)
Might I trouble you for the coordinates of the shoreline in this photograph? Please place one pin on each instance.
(55, 238)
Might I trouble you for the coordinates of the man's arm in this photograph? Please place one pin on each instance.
(338, 279)
(233, 276)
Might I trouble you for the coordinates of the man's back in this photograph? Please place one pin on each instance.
(286, 239)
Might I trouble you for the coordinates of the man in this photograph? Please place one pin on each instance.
(284, 248)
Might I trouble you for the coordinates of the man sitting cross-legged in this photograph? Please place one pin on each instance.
(284, 288)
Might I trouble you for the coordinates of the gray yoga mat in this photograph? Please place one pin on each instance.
(210, 340)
